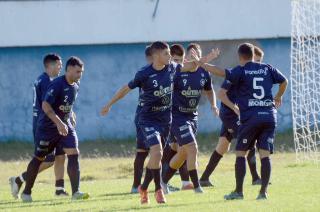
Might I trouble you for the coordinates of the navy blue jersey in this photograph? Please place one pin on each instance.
(61, 96)
(254, 82)
(155, 97)
(39, 91)
(225, 111)
(188, 87)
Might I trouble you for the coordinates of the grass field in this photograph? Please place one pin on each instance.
(295, 187)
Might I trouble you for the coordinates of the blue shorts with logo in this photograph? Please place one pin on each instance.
(184, 131)
(153, 134)
(259, 133)
(50, 141)
(139, 138)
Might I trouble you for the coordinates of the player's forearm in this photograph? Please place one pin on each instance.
(214, 70)
(282, 89)
(222, 95)
(119, 95)
(47, 109)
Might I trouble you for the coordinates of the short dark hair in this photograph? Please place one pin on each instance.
(147, 51)
(74, 61)
(258, 51)
(158, 45)
(177, 49)
(194, 46)
(50, 58)
(246, 50)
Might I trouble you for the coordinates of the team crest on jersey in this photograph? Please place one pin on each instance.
(230, 131)
(202, 82)
(192, 102)
(244, 141)
(50, 93)
(202, 74)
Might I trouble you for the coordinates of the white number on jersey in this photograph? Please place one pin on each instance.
(258, 87)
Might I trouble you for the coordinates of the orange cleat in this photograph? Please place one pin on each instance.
(159, 195)
(144, 198)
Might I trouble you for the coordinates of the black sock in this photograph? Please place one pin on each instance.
(194, 178)
(138, 168)
(156, 177)
(183, 171)
(18, 179)
(240, 169)
(213, 162)
(251, 158)
(265, 173)
(168, 175)
(60, 184)
(31, 175)
(73, 169)
(147, 179)
(168, 154)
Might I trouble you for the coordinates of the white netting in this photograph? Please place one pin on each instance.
(305, 78)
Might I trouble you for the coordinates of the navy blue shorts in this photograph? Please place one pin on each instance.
(229, 127)
(140, 139)
(259, 133)
(184, 131)
(50, 141)
(154, 134)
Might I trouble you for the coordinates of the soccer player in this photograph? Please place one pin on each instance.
(142, 149)
(52, 64)
(188, 87)
(229, 129)
(257, 108)
(54, 128)
(156, 83)
(178, 56)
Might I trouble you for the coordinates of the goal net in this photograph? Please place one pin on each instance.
(305, 78)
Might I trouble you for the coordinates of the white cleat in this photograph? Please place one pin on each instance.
(80, 195)
(26, 197)
(165, 188)
(198, 190)
(14, 187)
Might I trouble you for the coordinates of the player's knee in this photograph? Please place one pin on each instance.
(264, 153)
(71, 151)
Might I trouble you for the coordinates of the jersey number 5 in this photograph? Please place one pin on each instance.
(258, 87)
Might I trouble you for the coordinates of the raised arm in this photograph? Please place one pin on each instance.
(222, 95)
(214, 70)
(281, 90)
(211, 96)
(62, 127)
(119, 95)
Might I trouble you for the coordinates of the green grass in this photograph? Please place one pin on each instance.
(107, 169)
(295, 187)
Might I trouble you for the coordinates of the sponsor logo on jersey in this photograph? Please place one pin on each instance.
(162, 91)
(260, 103)
(256, 72)
(191, 93)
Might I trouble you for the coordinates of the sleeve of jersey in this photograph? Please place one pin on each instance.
(136, 82)
(52, 93)
(226, 84)
(233, 75)
(44, 87)
(208, 85)
(277, 76)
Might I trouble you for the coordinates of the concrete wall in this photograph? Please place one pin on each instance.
(44, 23)
(107, 67)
